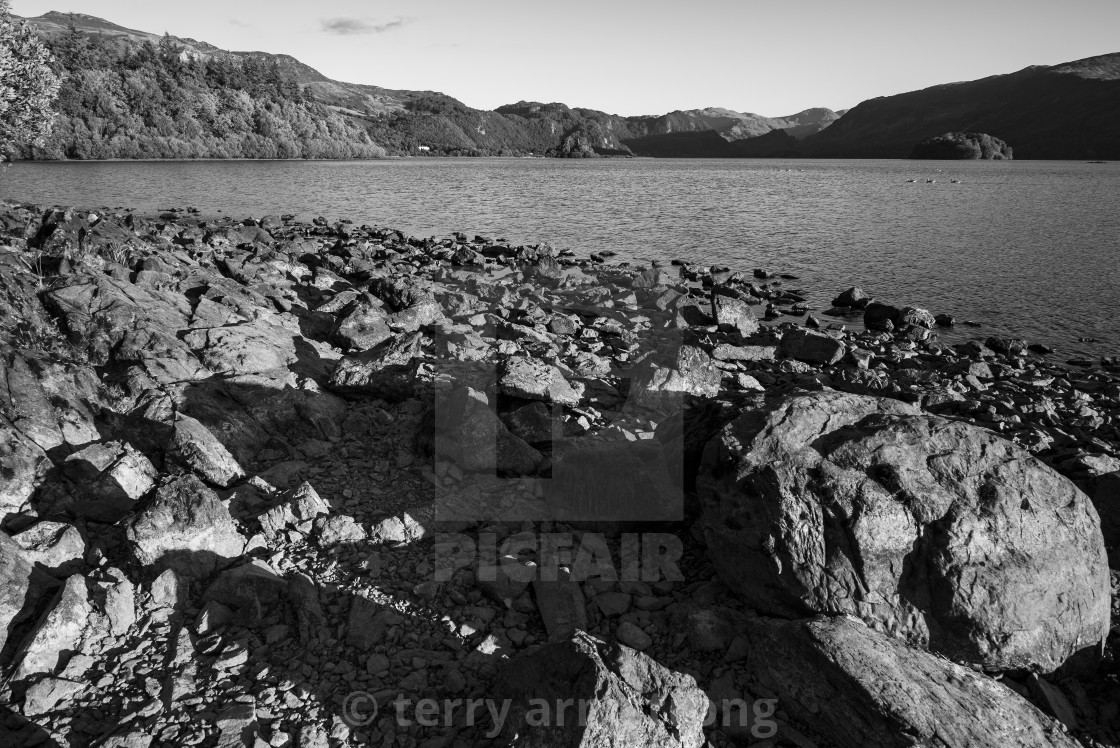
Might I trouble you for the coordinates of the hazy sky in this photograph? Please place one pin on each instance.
(639, 56)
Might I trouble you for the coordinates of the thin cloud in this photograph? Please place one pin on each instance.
(347, 26)
(240, 23)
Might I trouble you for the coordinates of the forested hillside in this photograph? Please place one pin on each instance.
(133, 94)
(128, 98)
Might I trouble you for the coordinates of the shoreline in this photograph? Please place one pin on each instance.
(248, 435)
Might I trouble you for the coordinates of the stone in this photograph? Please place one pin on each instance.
(112, 477)
(470, 434)
(854, 296)
(530, 379)
(338, 530)
(23, 464)
(384, 371)
(369, 623)
(726, 352)
(613, 604)
(56, 546)
(629, 700)
(47, 694)
(293, 507)
(193, 445)
(251, 348)
(673, 373)
(531, 423)
(880, 317)
(186, 528)
(912, 315)
(71, 625)
(708, 631)
(362, 327)
(838, 678)
(654, 277)
(561, 605)
(254, 591)
(23, 590)
(932, 530)
(633, 637)
(812, 347)
(734, 314)
(399, 529)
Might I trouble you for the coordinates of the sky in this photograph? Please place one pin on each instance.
(634, 57)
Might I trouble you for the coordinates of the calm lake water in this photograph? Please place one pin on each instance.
(1030, 248)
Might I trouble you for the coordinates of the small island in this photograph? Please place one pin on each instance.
(962, 146)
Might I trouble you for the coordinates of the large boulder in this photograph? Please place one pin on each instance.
(734, 314)
(933, 530)
(615, 696)
(812, 347)
(470, 434)
(385, 371)
(857, 688)
(674, 372)
(186, 528)
(23, 588)
(530, 379)
(193, 445)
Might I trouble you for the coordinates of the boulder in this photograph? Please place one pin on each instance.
(109, 479)
(912, 315)
(734, 314)
(654, 277)
(251, 348)
(56, 546)
(254, 591)
(298, 508)
(23, 464)
(384, 371)
(185, 528)
(854, 296)
(364, 326)
(880, 317)
(615, 696)
(531, 379)
(933, 530)
(677, 371)
(812, 347)
(193, 445)
(856, 688)
(470, 434)
(726, 352)
(23, 589)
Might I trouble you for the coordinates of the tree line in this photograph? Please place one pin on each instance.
(122, 98)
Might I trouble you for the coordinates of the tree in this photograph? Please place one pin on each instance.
(28, 86)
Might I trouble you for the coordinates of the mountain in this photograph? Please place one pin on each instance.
(1065, 111)
(132, 94)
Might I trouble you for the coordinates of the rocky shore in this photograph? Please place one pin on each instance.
(248, 470)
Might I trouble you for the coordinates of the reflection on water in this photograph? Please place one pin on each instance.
(1028, 248)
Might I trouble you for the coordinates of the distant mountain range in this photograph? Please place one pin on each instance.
(285, 108)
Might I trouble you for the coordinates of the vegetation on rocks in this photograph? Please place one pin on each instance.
(28, 85)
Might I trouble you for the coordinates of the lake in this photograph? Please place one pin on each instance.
(1028, 248)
